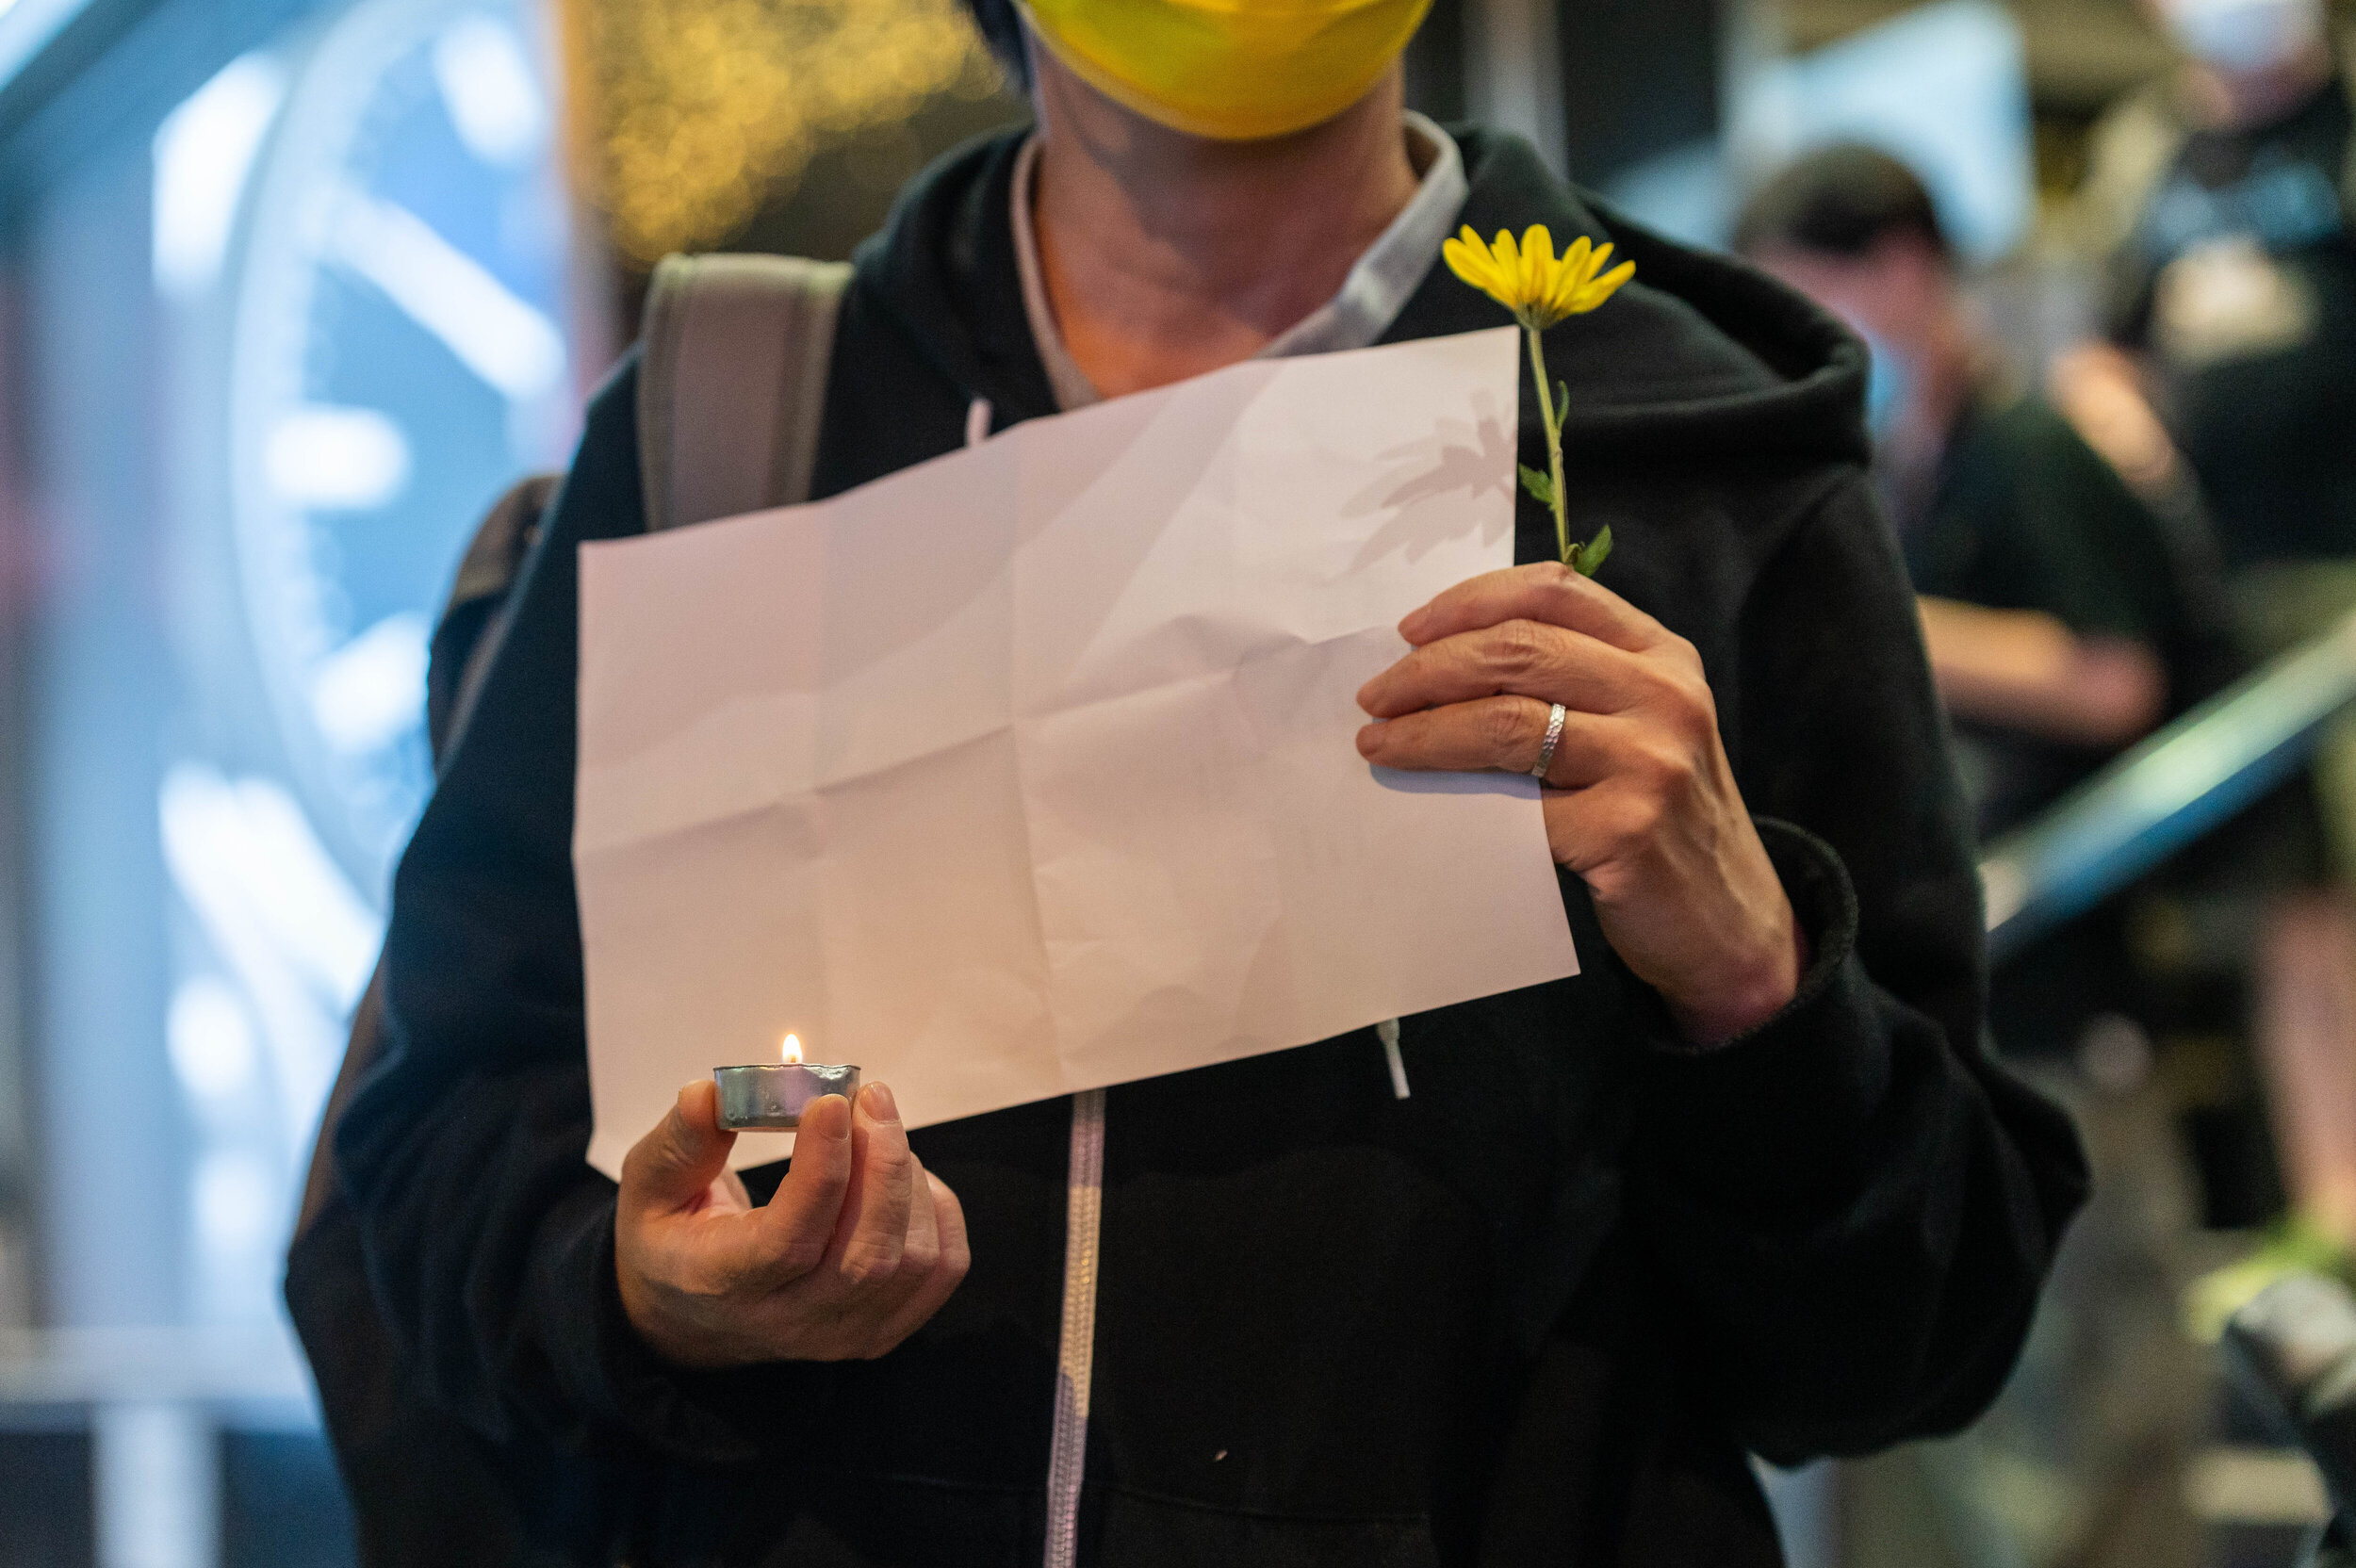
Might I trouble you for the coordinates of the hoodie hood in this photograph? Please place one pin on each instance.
(1699, 353)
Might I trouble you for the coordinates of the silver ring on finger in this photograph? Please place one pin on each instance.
(1554, 738)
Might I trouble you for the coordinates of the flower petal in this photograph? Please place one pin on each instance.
(1604, 288)
(1468, 241)
(1509, 262)
(1471, 263)
(1478, 264)
(1537, 263)
(1592, 297)
(1561, 295)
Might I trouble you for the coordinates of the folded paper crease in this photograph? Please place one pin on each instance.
(1031, 769)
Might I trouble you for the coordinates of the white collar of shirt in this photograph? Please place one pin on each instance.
(1370, 299)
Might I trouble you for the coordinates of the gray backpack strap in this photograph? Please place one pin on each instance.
(732, 383)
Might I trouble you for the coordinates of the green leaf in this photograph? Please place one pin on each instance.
(1538, 485)
(1593, 554)
(1562, 402)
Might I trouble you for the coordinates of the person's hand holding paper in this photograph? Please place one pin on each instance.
(1031, 769)
(1541, 669)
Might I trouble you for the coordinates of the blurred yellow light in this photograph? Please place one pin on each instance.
(704, 110)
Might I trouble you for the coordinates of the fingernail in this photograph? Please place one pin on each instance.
(1369, 740)
(820, 1116)
(881, 1105)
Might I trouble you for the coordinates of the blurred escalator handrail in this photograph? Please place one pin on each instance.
(2166, 793)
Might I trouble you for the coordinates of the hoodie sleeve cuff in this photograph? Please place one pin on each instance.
(1774, 1108)
(608, 1373)
(1823, 906)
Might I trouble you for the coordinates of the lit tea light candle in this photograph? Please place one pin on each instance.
(770, 1097)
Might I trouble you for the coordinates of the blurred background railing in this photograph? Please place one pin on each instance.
(2166, 793)
(291, 289)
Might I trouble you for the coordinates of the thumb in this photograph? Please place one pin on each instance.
(673, 1165)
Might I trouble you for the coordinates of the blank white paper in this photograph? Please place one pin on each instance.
(1031, 769)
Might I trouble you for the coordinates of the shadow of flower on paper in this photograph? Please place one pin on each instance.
(1429, 485)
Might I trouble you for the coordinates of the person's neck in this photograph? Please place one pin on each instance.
(1165, 255)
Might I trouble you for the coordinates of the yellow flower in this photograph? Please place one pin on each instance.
(1540, 291)
(1530, 282)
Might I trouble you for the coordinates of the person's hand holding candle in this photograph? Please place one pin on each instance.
(858, 1248)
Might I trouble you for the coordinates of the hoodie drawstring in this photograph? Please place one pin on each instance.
(1084, 1219)
(1076, 1358)
(1387, 1032)
(1084, 1212)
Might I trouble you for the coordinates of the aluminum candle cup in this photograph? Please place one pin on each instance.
(771, 1098)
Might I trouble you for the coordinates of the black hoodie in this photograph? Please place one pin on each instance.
(1535, 1314)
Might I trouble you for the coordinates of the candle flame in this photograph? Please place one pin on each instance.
(793, 1050)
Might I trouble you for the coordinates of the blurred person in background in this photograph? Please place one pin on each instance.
(2060, 618)
(2217, 201)
(2064, 621)
(2217, 208)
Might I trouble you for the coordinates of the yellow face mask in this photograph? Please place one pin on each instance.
(1234, 69)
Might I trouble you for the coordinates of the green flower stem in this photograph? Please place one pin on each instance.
(1554, 441)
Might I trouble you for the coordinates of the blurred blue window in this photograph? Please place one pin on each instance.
(288, 340)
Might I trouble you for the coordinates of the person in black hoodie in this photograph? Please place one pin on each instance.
(1750, 1182)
